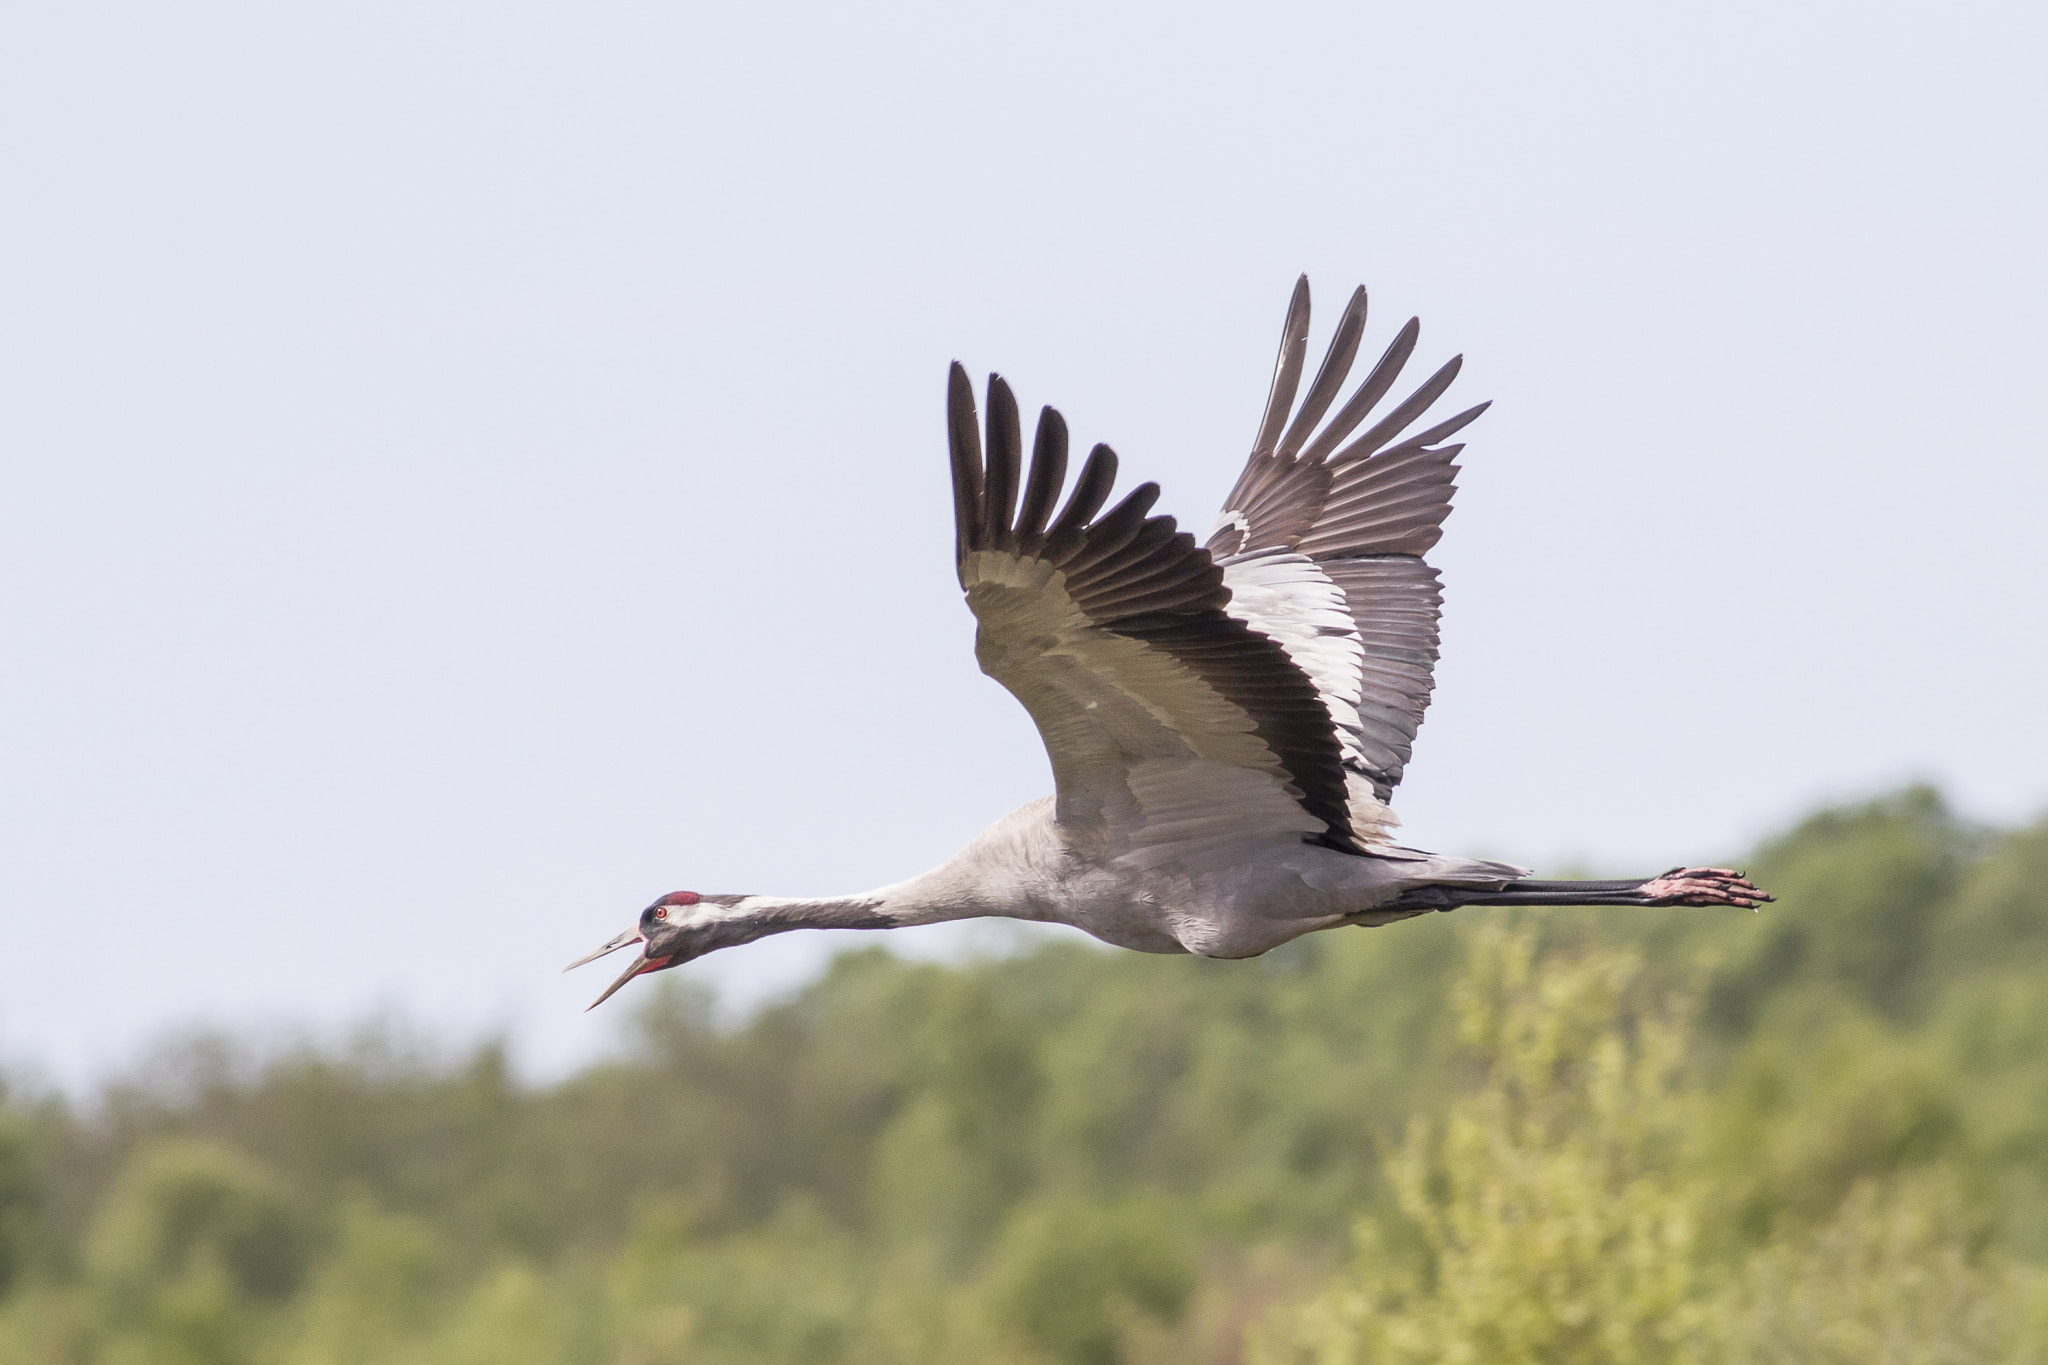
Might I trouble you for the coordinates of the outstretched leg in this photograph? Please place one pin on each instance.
(1679, 886)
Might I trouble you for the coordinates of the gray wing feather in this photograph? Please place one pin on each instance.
(1286, 369)
(1394, 600)
(1370, 392)
(1405, 412)
(1362, 515)
(1395, 504)
(1330, 378)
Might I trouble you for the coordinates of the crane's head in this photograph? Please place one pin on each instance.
(675, 929)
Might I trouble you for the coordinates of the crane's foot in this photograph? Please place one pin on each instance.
(1705, 886)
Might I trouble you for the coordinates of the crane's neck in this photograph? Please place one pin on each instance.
(945, 893)
(1002, 871)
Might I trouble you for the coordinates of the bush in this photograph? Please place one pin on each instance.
(1554, 1215)
(1542, 1219)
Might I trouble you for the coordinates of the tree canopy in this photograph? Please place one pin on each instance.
(1818, 1133)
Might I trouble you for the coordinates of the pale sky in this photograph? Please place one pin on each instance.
(470, 469)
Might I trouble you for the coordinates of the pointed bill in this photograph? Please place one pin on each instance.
(638, 965)
(630, 936)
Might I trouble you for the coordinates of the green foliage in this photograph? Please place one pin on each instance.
(193, 1210)
(1551, 1219)
(380, 1286)
(1897, 1277)
(192, 1251)
(1558, 1206)
(1818, 1133)
(21, 1204)
(1860, 887)
(1069, 1275)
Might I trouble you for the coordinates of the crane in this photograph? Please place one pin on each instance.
(1226, 720)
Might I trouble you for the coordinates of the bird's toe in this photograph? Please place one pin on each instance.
(1705, 886)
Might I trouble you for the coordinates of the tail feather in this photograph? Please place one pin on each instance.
(1468, 871)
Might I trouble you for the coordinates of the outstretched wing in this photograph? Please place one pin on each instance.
(1321, 543)
(1171, 724)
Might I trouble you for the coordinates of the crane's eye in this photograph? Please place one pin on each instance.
(661, 912)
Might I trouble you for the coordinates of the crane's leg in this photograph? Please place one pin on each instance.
(1679, 886)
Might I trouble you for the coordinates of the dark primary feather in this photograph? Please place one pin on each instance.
(1330, 378)
(1048, 472)
(1377, 382)
(1286, 370)
(1091, 490)
(965, 444)
(1140, 577)
(1405, 412)
(1005, 453)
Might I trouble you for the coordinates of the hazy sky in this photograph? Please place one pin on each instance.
(469, 469)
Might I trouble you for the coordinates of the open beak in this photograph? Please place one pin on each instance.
(642, 963)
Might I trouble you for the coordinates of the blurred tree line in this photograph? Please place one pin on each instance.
(1816, 1134)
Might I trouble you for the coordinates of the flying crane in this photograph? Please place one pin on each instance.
(1226, 720)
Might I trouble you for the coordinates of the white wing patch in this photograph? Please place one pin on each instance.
(1287, 597)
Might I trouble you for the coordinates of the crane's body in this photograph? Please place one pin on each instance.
(1226, 721)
